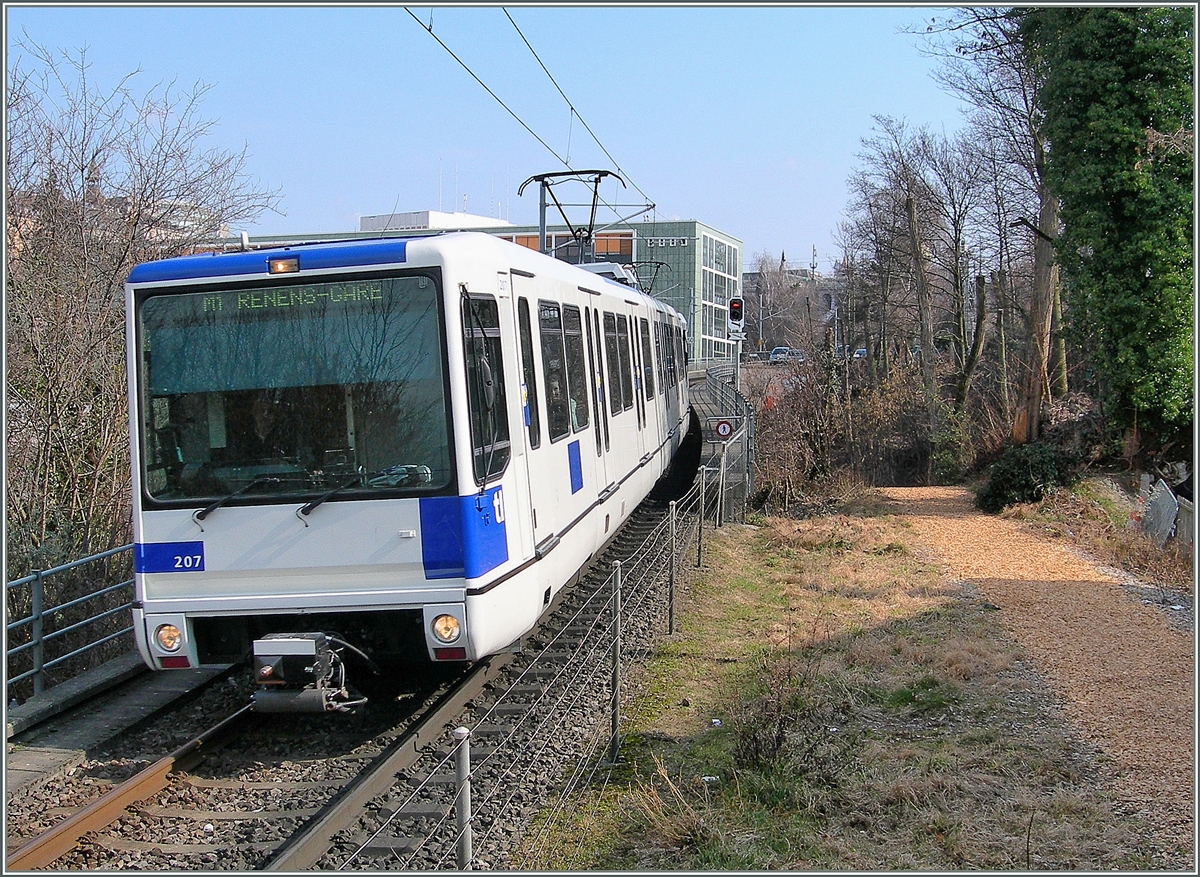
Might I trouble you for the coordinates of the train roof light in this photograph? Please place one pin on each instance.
(289, 265)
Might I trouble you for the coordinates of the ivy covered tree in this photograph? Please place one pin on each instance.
(1116, 97)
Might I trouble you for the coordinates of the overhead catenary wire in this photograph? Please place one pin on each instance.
(564, 161)
(462, 64)
(574, 112)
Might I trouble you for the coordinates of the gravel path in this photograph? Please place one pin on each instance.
(1124, 673)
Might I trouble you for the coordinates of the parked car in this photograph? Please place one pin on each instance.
(786, 354)
(861, 353)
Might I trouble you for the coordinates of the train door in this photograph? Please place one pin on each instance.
(591, 318)
(639, 398)
(531, 419)
(609, 391)
(653, 422)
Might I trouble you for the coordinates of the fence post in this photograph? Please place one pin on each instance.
(721, 496)
(751, 435)
(615, 742)
(37, 602)
(700, 523)
(671, 577)
(462, 807)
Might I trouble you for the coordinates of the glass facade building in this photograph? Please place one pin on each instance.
(691, 266)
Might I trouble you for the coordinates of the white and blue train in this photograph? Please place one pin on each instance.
(387, 452)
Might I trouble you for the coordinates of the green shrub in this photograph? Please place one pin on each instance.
(1025, 473)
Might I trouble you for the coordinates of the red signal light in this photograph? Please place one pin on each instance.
(737, 313)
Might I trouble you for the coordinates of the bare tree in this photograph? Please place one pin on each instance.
(97, 180)
(985, 63)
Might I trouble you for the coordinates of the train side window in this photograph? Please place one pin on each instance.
(647, 359)
(554, 365)
(533, 417)
(576, 368)
(591, 363)
(672, 357)
(681, 356)
(658, 356)
(486, 402)
(598, 371)
(638, 371)
(615, 404)
(667, 357)
(626, 365)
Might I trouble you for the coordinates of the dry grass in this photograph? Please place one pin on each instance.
(871, 715)
(1094, 515)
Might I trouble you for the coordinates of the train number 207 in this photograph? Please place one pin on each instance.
(168, 557)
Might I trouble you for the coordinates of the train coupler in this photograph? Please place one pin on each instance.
(300, 673)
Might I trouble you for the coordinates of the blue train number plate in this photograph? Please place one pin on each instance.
(168, 557)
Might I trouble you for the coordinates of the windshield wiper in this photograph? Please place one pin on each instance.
(393, 476)
(262, 479)
(307, 510)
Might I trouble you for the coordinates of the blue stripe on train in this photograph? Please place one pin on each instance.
(340, 254)
(463, 536)
(576, 467)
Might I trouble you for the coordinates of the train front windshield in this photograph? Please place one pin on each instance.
(293, 391)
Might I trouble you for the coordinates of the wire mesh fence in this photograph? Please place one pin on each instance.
(559, 736)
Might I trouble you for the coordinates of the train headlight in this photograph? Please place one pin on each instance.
(446, 628)
(168, 637)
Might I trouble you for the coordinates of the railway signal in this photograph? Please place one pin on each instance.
(737, 314)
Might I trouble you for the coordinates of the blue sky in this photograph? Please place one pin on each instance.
(745, 118)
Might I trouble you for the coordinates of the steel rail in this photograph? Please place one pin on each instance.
(47, 847)
(305, 848)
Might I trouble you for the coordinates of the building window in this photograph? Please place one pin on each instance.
(611, 244)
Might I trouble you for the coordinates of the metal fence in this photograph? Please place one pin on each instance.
(733, 454)
(67, 624)
(571, 728)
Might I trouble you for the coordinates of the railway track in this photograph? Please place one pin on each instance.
(291, 793)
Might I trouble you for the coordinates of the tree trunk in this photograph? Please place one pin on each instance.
(1041, 309)
(999, 278)
(925, 312)
(1059, 342)
(964, 379)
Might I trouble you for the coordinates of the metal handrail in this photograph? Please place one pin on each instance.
(40, 614)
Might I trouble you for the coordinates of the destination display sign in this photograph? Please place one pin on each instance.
(315, 295)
